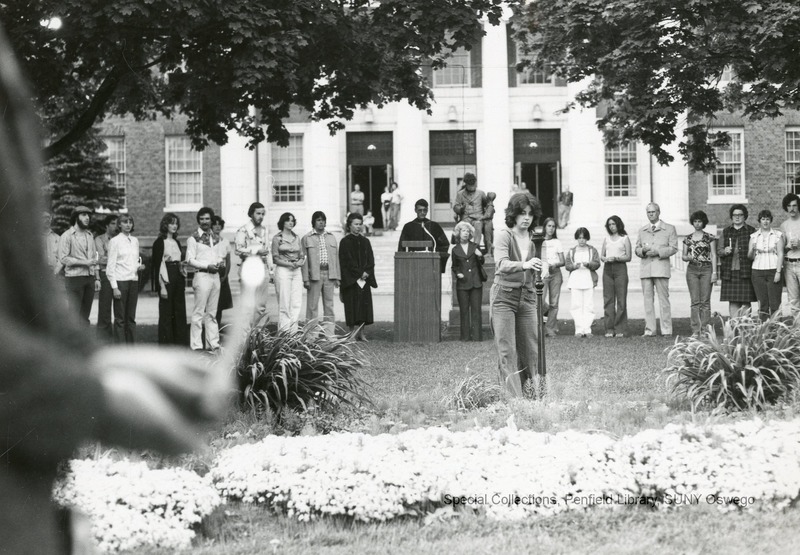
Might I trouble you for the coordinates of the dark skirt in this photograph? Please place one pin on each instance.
(172, 329)
(357, 305)
(737, 289)
(225, 297)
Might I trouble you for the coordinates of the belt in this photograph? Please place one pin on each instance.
(172, 262)
(699, 263)
(203, 270)
(793, 260)
(324, 266)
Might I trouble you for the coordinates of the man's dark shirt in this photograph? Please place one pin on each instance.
(413, 231)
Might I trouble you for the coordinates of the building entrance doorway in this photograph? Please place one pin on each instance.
(369, 164)
(537, 164)
(445, 184)
(542, 181)
(372, 180)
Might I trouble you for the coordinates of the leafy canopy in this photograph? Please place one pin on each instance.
(651, 62)
(220, 62)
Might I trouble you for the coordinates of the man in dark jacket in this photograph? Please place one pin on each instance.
(423, 229)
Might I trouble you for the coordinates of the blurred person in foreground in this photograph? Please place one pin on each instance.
(57, 388)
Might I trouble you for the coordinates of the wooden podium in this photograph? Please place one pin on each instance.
(417, 297)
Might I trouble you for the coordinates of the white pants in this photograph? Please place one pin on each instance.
(206, 299)
(582, 310)
(289, 286)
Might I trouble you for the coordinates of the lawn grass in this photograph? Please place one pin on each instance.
(242, 529)
(615, 386)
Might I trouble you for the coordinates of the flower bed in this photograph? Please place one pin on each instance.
(512, 474)
(506, 474)
(131, 506)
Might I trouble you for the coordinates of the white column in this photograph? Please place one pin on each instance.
(410, 159)
(237, 180)
(495, 142)
(321, 162)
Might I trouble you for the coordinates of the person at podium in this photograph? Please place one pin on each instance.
(423, 229)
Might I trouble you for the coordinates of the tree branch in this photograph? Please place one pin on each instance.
(89, 116)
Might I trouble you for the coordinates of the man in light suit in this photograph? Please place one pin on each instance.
(320, 270)
(656, 243)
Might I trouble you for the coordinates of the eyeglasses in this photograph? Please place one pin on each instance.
(738, 215)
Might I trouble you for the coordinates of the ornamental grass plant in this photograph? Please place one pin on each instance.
(300, 369)
(752, 365)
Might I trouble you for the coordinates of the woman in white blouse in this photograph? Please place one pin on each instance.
(124, 265)
(553, 260)
(766, 251)
(582, 263)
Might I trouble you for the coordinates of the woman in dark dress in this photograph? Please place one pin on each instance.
(225, 297)
(357, 264)
(167, 279)
(468, 283)
(735, 265)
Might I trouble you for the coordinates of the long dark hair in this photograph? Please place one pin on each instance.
(163, 230)
(285, 218)
(620, 226)
(555, 229)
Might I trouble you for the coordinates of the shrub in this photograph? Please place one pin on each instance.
(473, 392)
(300, 369)
(753, 365)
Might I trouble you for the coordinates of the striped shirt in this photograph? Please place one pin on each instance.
(766, 249)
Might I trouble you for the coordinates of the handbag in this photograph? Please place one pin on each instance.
(481, 271)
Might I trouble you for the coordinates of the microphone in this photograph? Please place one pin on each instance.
(429, 234)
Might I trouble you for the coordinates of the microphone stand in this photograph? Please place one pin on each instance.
(541, 363)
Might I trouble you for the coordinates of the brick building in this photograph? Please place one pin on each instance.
(160, 173)
(757, 169)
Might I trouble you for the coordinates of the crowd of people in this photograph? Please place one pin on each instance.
(750, 264)
(110, 263)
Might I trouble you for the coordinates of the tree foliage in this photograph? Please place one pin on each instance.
(652, 62)
(219, 62)
(80, 176)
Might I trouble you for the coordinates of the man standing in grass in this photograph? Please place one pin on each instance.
(78, 254)
(320, 270)
(105, 299)
(656, 243)
(203, 254)
(791, 255)
(252, 240)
